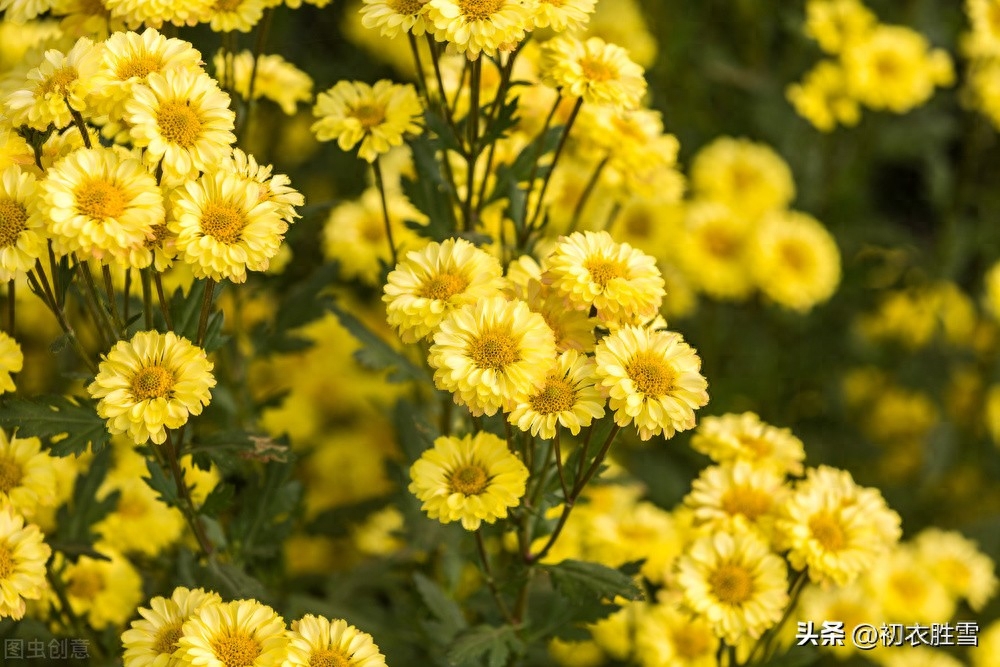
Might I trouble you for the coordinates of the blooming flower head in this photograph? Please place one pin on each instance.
(154, 13)
(492, 354)
(823, 98)
(593, 70)
(183, 122)
(957, 562)
(223, 228)
(480, 26)
(11, 361)
(315, 640)
(569, 398)
(55, 88)
(737, 496)
(748, 177)
(275, 188)
(376, 116)
(736, 582)
(128, 58)
(393, 17)
(744, 437)
(430, 283)
(21, 235)
(274, 78)
(794, 260)
(23, 11)
(834, 527)
(712, 251)
(665, 635)
(99, 203)
(231, 634)
(588, 269)
(836, 23)
(104, 592)
(653, 378)
(983, 41)
(471, 479)
(139, 522)
(564, 15)
(27, 475)
(234, 15)
(23, 555)
(152, 640)
(899, 581)
(151, 383)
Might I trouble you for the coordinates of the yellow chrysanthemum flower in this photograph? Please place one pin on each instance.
(394, 17)
(668, 637)
(824, 99)
(480, 26)
(836, 23)
(227, 634)
(11, 361)
(21, 228)
(151, 383)
(430, 283)
(103, 592)
(564, 15)
(596, 72)
(55, 88)
(355, 235)
(834, 527)
(129, 58)
(140, 522)
(223, 228)
(569, 398)
(712, 250)
(989, 646)
(899, 581)
(492, 354)
(182, 120)
(99, 203)
(736, 582)
(376, 116)
(853, 605)
(154, 13)
(958, 563)
(276, 79)
(737, 496)
(316, 640)
(235, 15)
(27, 474)
(275, 188)
(23, 555)
(893, 68)
(736, 437)
(983, 41)
(471, 479)
(588, 269)
(653, 380)
(23, 11)
(794, 260)
(749, 177)
(152, 640)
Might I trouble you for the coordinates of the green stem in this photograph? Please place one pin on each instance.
(164, 306)
(559, 464)
(555, 160)
(102, 320)
(82, 126)
(472, 156)
(377, 168)
(187, 504)
(109, 290)
(10, 307)
(539, 148)
(588, 190)
(263, 28)
(764, 644)
(490, 579)
(127, 302)
(206, 310)
(147, 298)
(63, 322)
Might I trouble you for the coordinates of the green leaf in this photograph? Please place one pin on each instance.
(301, 303)
(430, 192)
(583, 581)
(506, 119)
(230, 580)
(65, 425)
(442, 606)
(376, 354)
(265, 517)
(437, 124)
(494, 644)
(75, 519)
(219, 499)
(416, 434)
(161, 483)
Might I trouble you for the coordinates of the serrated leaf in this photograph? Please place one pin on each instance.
(443, 607)
(231, 580)
(164, 486)
(219, 499)
(437, 124)
(376, 354)
(416, 434)
(302, 303)
(65, 426)
(494, 644)
(505, 120)
(583, 581)
(430, 192)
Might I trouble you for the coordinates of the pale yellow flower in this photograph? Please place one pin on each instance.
(376, 116)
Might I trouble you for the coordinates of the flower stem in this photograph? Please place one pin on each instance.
(164, 306)
(555, 159)
(206, 310)
(490, 579)
(187, 508)
(44, 293)
(377, 168)
(588, 190)
(147, 298)
(766, 641)
(10, 307)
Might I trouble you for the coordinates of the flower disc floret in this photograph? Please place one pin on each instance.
(569, 398)
(564, 15)
(593, 70)
(471, 479)
(653, 379)
(377, 117)
(430, 283)
(492, 354)
(744, 437)
(151, 383)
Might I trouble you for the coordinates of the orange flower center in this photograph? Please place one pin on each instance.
(166, 640)
(603, 271)
(139, 66)
(85, 584)
(444, 286)
(795, 256)
(58, 82)
(731, 584)
(494, 350)
(223, 222)
(470, 480)
(152, 382)
(746, 500)
(178, 123)
(479, 10)
(10, 474)
(720, 243)
(368, 115)
(691, 643)
(6, 562)
(557, 396)
(760, 446)
(651, 374)
(227, 5)
(406, 7)
(100, 200)
(236, 650)
(328, 658)
(827, 532)
(597, 69)
(13, 220)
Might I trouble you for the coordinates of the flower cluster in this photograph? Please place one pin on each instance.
(879, 66)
